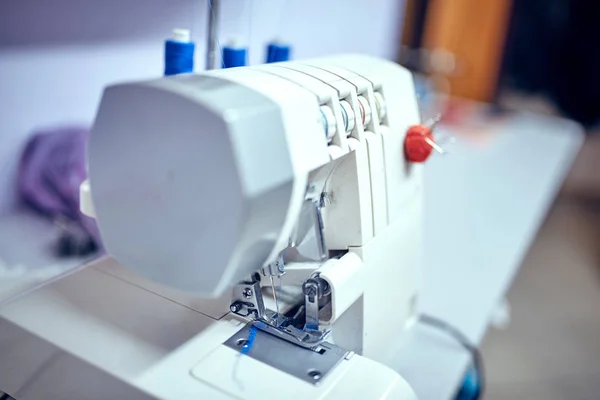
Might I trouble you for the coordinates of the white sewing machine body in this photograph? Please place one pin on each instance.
(201, 181)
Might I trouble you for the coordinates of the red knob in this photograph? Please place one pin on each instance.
(418, 143)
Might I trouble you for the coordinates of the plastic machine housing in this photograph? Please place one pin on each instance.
(198, 181)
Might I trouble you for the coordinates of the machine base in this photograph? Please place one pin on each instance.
(96, 335)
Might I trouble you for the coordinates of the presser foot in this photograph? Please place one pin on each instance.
(300, 329)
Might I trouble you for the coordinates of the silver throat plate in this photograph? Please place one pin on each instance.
(310, 365)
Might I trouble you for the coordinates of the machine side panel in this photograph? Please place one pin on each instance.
(392, 262)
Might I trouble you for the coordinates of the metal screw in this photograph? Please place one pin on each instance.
(235, 307)
(313, 373)
(247, 293)
(310, 291)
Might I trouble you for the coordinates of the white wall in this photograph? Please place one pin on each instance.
(56, 56)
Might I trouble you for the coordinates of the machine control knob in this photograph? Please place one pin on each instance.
(417, 144)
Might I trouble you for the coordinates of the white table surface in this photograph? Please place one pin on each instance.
(27, 258)
(484, 204)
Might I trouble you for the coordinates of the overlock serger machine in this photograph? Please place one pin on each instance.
(264, 229)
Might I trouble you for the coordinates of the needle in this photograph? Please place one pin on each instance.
(275, 296)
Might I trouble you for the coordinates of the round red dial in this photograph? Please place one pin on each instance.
(418, 143)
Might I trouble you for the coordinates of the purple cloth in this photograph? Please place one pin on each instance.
(52, 167)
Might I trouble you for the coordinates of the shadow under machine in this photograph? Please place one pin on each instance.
(264, 231)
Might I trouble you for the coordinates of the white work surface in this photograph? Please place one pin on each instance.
(484, 203)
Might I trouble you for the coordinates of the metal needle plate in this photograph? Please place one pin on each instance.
(309, 365)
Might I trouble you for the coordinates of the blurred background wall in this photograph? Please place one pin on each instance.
(536, 55)
(56, 56)
(487, 48)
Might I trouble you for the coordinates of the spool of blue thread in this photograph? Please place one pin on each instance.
(471, 387)
(234, 55)
(179, 53)
(278, 52)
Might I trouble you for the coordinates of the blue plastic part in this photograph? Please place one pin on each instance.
(179, 57)
(234, 57)
(470, 388)
(278, 52)
(250, 341)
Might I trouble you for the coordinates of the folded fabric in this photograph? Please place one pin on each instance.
(51, 168)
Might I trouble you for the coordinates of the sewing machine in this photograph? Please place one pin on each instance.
(269, 220)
